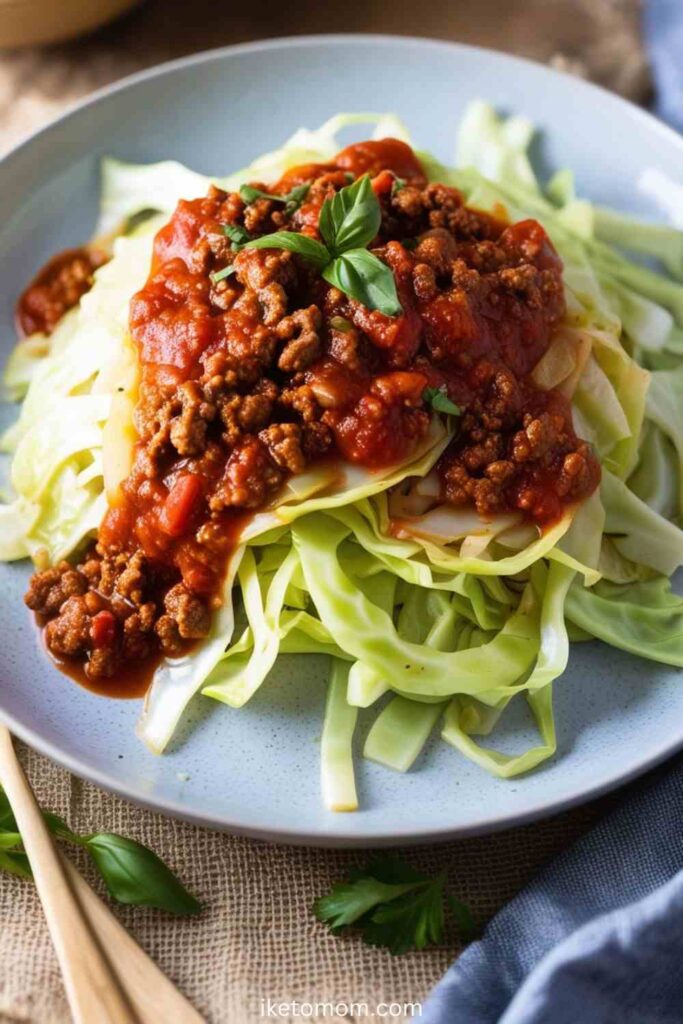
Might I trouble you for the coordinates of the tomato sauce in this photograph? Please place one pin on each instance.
(250, 376)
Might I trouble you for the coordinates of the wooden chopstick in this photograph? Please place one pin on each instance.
(119, 986)
(152, 995)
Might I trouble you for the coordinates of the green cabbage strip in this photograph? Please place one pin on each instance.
(665, 410)
(236, 687)
(400, 731)
(638, 532)
(443, 609)
(177, 680)
(368, 633)
(464, 717)
(337, 778)
(644, 618)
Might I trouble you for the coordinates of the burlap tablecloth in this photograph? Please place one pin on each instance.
(257, 940)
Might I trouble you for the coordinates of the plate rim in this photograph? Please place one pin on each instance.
(321, 837)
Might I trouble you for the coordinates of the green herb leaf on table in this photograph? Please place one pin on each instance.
(133, 874)
(364, 277)
(352, 218)
(308, 248)
(440, 402)
(15, 863)
(393, 906)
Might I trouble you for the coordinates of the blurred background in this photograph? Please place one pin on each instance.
(52, 52)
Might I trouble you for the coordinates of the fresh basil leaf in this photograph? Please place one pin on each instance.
(440, 402)
(15, 863)
(8, 840)
(220, 275)
(397, 184)
(364, 277)
(352, 218)
(308, 248)
(133, 874)
(7, 819)
(237, 234)
(56, 824)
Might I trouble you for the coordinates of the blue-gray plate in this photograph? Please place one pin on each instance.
(256, 770)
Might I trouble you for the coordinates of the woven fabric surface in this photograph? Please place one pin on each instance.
(256, 939)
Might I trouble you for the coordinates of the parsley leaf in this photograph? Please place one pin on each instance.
(364, 277)
(292, 200)
(439, 401)
(393, 906)
(351, 219)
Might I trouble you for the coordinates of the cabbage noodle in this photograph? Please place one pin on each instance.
(425, 610)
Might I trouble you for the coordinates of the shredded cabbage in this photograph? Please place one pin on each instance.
(423, 606)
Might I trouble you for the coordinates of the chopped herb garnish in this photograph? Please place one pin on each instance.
(439, 401)
(394, 906)
(292, 199)
(397, 185)
(340, 323)
(348, 223)
(238, 235)
(220, 275)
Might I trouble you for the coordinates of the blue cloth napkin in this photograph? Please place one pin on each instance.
(663, 23)
(596, 938)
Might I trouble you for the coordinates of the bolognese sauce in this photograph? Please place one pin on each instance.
(250, 374)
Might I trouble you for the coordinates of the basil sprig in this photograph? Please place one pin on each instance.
(131, 872)
(348, 222)
(292, 200)
(351, 219)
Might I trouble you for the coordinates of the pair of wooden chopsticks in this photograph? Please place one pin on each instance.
(108, 977)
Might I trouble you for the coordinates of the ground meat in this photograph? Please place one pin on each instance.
(188, 429)
(58, 287)
(300, 331)
(48, 590)
(68, 635)
(253, 366)
(191, 614)
(283, 441)
(250, 478)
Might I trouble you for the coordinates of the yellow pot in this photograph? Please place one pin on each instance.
(34, 22)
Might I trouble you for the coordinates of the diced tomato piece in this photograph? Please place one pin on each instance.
(103, 629)
(183, 499)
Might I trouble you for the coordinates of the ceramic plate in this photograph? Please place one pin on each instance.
(256, 770)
